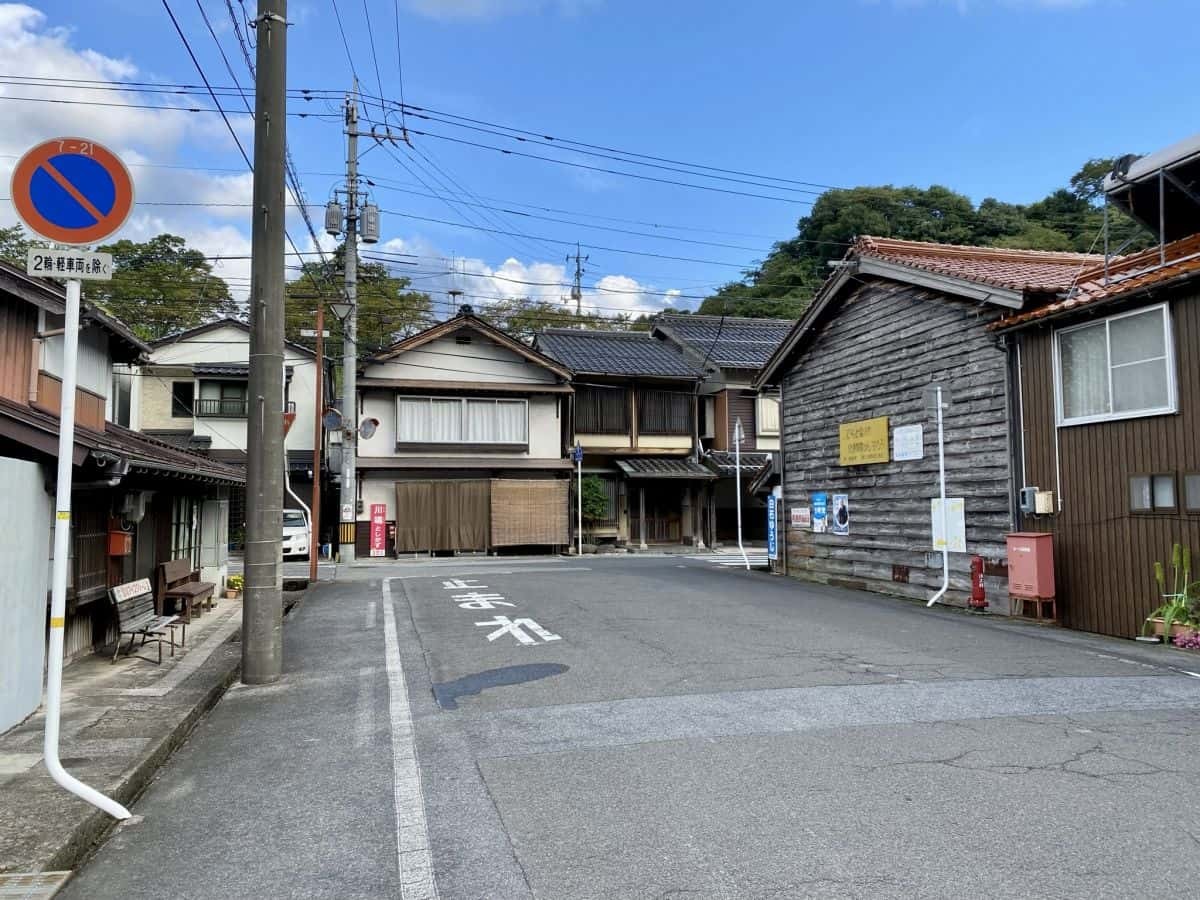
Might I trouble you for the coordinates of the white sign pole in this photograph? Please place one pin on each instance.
(945, 531)
(58, 578)
(737, 466)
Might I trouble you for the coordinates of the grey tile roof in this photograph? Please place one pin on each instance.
(723, 462)
(660, 467)
(614, 353)
(739, 343)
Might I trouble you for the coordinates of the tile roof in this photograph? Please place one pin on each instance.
(668, 467)
(615, 353)
(722, 462)
(737, 342)
(1125, 275)
(145, 454)
(1018, 270)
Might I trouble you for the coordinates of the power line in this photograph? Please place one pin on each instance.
(345, 43)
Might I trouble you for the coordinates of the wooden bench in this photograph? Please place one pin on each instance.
(180, 584)
(136, 616)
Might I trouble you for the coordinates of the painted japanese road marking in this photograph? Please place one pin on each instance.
(413, 855)
(516, 627)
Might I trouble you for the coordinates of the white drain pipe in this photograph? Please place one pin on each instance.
(58, 589)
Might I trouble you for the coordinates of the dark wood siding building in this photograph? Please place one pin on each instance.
(1120, 480)
(897, 319)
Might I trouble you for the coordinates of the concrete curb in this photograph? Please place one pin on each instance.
(86, 837)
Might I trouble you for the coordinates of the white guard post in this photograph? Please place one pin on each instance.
(737, 474)
(945, 531)
(62, 539)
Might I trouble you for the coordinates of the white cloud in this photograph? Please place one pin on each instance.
(447, 10)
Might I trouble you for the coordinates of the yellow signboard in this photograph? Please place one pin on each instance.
(862, 442)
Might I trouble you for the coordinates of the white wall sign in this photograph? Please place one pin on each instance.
(908, 442)
(956, 524)
(801, 517)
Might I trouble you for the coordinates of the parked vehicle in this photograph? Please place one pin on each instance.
(295, 534)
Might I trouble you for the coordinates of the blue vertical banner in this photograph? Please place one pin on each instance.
(819, 512)
(772, 539)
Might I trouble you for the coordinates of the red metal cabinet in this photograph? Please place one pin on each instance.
(1031, 565)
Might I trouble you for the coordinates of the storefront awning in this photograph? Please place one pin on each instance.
(686, 469)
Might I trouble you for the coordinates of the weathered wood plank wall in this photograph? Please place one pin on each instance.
(1103, 554)
(874, 356)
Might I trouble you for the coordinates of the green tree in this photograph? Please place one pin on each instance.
(161, 286)
(523, 318)
(15, 244)
(388, 310)
(595, 498)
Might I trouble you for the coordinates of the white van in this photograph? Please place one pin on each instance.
(295, 533)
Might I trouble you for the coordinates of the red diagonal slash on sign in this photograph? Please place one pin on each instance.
(72, 190)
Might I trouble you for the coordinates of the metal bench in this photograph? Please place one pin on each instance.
(182, 585)
(133, 603)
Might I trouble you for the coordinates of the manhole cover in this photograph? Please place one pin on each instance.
(31, 885)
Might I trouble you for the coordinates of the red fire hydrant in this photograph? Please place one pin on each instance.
(978, 594)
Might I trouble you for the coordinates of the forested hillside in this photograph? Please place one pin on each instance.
(1068, 219)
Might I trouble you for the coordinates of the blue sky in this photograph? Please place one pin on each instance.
(999, 98)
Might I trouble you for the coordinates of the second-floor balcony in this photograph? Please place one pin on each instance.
(228, 408)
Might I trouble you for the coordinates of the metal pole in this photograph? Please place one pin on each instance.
(349, 494)
(945, 535)
(579, 492)
(262, 612)
(737, 475)
(58, 576)
(1162, 219)
(318, 408)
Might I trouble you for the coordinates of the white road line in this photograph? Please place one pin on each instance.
(371, 614)
(413, 856)
(364, 713)
(193, 659)
(474, 572)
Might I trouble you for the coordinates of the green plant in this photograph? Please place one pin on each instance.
(594, 498)
(1181, 605)
(235, 582)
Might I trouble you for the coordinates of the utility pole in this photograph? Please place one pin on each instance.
(349, 494)
(262, 612)
(577, 286)
(319, 411)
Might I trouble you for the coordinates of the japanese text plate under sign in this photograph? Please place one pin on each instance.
(57, 263)
(956, 525)
(862, 442)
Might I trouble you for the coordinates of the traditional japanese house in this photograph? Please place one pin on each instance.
(136, 501)
(634, 416)
(729, 351)
(860, 454)
(467, 445)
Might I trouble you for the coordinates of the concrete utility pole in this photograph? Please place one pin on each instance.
(318, 414)
(577, 285)
(349, 497)
(262, 612)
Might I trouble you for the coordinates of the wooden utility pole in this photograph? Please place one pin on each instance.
(262, 613)
(318, 407)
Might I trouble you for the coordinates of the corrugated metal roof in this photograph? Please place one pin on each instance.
(671, 467)
(615, 353)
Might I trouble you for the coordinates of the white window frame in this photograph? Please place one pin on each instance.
(1172, 405)
(463, 420)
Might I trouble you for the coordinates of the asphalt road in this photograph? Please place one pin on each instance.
(670, 728)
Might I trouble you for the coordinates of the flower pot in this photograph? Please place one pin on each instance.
(1177, 628)
(231, 594)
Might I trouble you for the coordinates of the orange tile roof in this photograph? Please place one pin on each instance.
(1037, 271)
(1124, 275)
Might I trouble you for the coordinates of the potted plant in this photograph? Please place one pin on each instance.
(233, 586)
(1179, 612)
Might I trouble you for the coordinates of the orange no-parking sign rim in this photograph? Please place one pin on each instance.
(109, 224)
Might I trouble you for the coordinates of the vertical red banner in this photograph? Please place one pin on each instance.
(378, 529)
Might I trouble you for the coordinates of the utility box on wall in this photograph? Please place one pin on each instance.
(1031, 565)
(120, 543)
